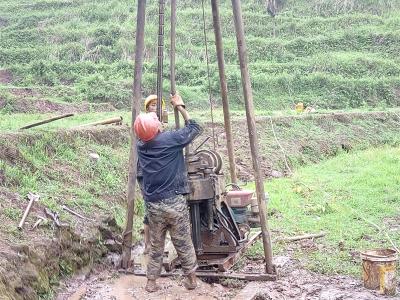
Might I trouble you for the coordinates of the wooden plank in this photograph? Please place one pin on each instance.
(47, 121)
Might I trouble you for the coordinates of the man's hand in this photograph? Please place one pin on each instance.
(176, 100)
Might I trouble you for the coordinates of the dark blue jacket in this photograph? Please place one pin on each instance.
(162, 164)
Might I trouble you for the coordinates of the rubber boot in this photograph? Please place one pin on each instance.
(190, 281)
(151, 286)
(146, 239)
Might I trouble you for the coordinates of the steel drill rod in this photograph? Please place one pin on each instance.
(136, 101)
(160, 62)
(196, 227)
(72, 212)
(251, 124)
(185, 116)
(224, 88)
(172, 58)
(211, 274)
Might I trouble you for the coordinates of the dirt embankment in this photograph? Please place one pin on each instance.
(285, 142)
(289, 142)
(33, 261)
(31, 100)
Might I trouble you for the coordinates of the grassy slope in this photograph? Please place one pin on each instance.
(61, 171)
(14, 121)
(56, 164)
(323, 53)
(351, 186)
(340, 197)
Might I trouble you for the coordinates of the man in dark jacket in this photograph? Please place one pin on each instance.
(164, 186)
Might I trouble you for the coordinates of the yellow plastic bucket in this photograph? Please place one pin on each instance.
(379, 270)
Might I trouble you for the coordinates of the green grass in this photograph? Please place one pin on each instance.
(62, 172)
(342, 196)
(13, 121)
(330, 53)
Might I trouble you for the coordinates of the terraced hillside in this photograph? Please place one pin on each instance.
(326, 53)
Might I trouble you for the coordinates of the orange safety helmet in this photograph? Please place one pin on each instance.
(147, 126)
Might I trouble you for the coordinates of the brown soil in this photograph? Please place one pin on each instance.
(24, 104)
(27, 100)
(5, 75)
(111, 135)
(110, 285)
(397, 92)
(11, 154)
(393, 223)
(3, 22)
(30, 261)
(293, 283)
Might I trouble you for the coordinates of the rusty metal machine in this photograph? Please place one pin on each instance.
(218, 234)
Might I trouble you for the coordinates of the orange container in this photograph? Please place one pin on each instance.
(239, 198)
(379, 270)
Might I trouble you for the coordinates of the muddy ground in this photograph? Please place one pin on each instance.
(293, 283)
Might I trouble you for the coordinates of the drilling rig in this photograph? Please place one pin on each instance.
(220, 219)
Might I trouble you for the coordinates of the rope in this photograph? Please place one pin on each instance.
(208, 74)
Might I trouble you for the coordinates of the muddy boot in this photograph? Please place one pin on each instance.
(146, 239)
(190, 281)
(152, 286)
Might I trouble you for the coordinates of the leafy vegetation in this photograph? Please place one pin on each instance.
(353, 192)
(326, 53)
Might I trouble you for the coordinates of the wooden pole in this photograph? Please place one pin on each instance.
(172, 57)
(47, 121)
(251, 124)
(300, 237)
(137, 98)
(224, 88)
(32, 198)
(103, 122)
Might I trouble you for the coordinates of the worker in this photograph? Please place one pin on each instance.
(161, 160)
(150, 105)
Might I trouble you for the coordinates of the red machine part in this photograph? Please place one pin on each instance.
(239, 198)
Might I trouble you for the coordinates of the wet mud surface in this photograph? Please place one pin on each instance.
(293, 283)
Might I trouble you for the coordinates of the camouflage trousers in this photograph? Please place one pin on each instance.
(170, 214)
